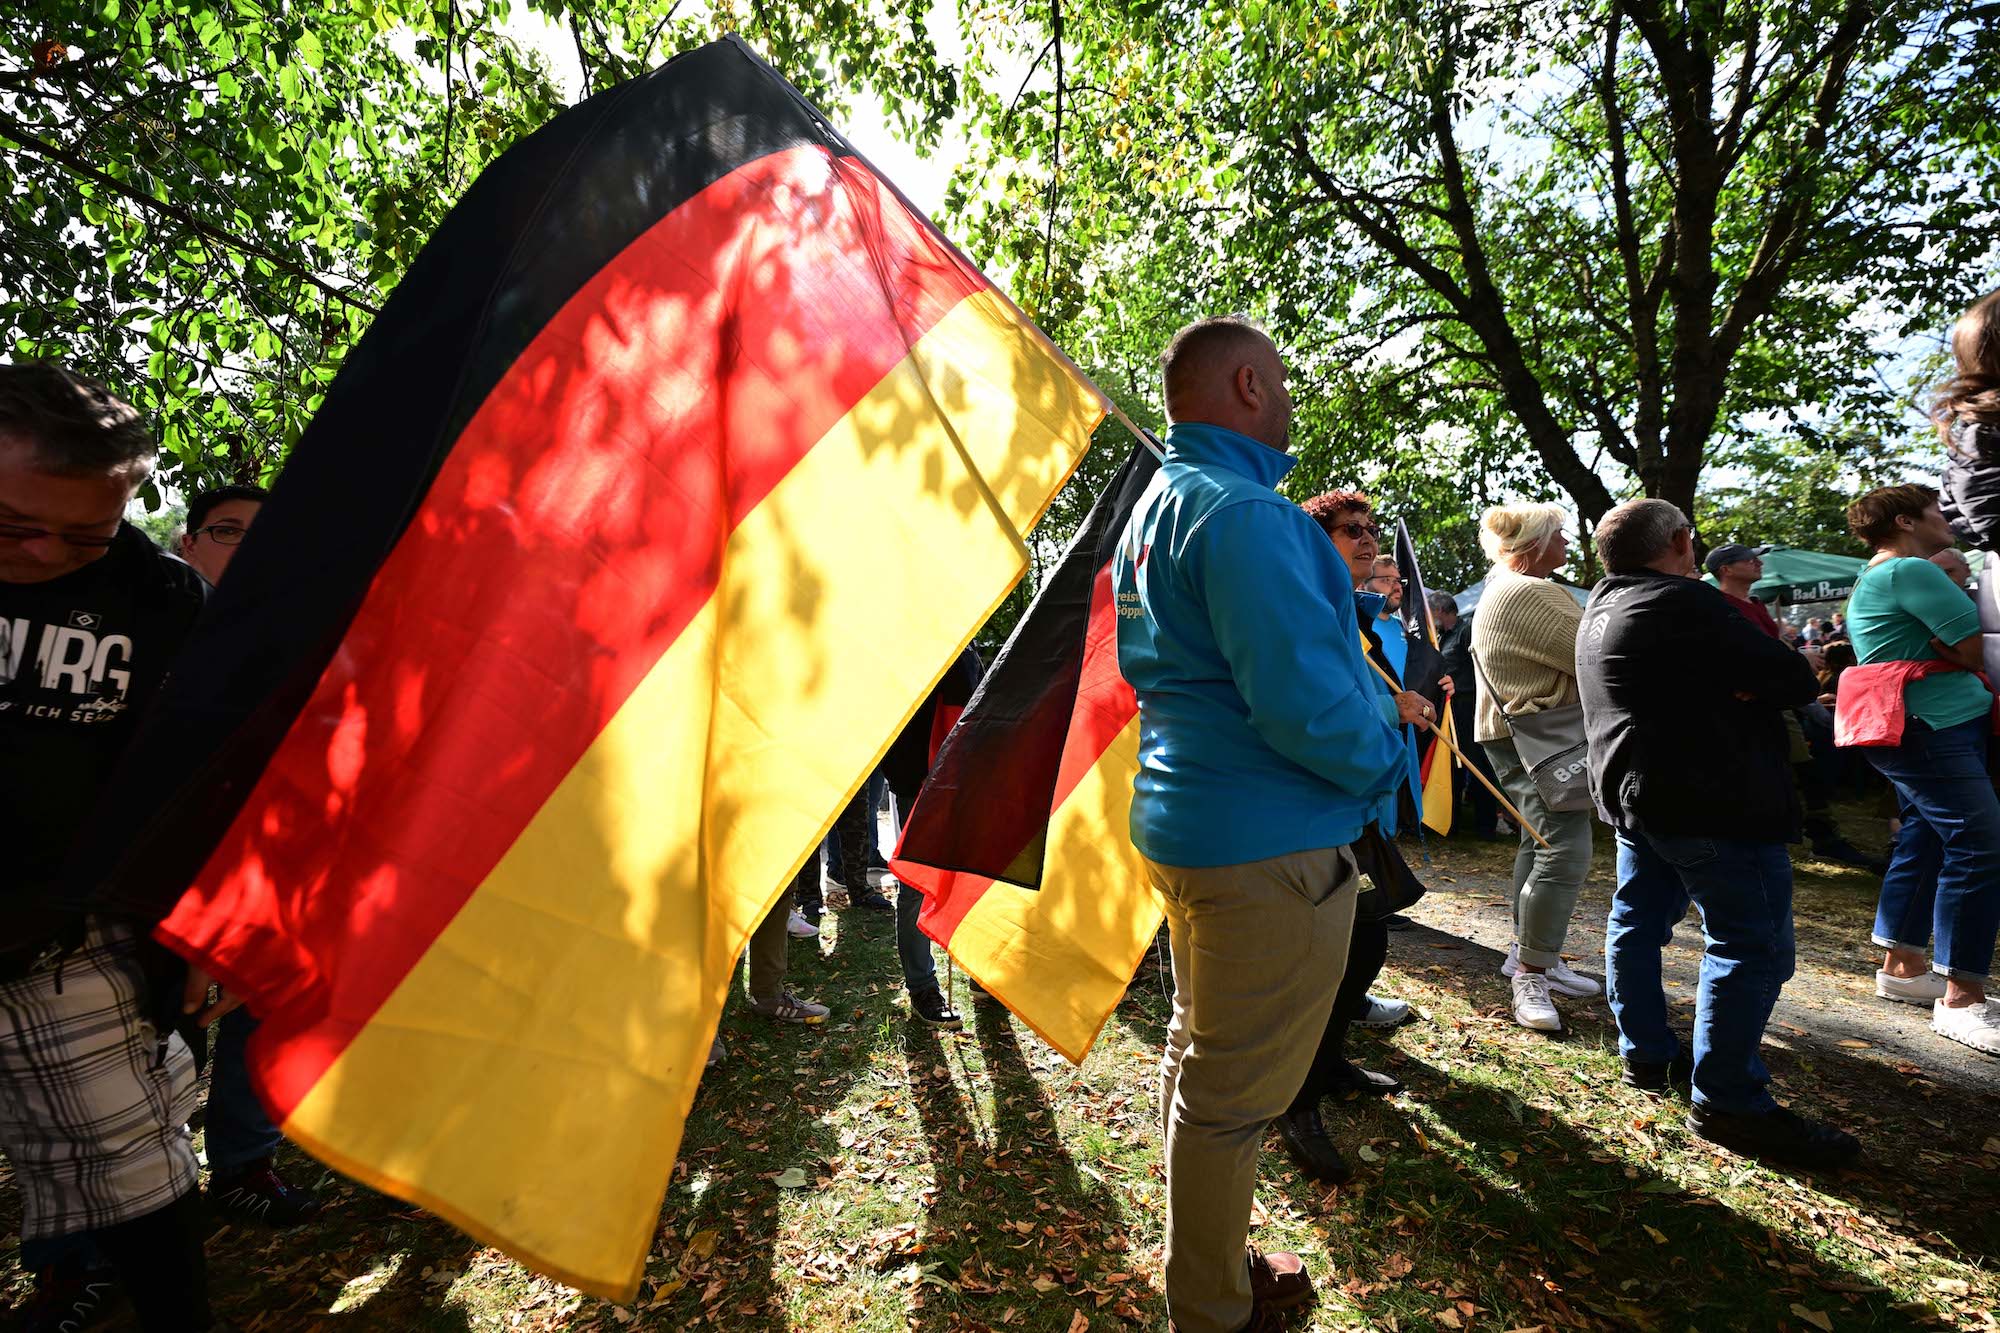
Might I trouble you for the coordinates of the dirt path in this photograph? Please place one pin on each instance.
(1829, 1008)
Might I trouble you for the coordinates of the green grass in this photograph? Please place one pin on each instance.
(977, 1181)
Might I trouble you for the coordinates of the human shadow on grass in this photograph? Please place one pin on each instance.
(1526, 1215)
(760, 1113)
(1011, 1204)
(1922, 1137)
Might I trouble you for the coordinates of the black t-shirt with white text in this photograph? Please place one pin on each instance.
(81, 656)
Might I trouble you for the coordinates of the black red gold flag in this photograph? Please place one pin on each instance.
(680, 465)
(1020, 838)
(1422, 673)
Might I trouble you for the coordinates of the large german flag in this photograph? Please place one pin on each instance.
(682, 463)
(1021, 837)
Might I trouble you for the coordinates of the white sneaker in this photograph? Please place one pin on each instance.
(1385, 1013)
(1926, 989)
(1562, 980)
(1532, 1006)
(800, 928)
(1975, 1025)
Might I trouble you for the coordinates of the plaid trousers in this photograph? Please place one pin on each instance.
(93, 1109)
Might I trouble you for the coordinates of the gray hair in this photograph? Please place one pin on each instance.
(1442, 603)
(1635, 534)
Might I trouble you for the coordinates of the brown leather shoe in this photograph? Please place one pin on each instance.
(1278, 1281)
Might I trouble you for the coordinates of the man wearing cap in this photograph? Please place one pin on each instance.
(1735, 568)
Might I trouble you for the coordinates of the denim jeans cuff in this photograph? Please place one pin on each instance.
(1540, 957)
(1760, 1102)
(1884, 942)
(230, 1165)
(1958, 973)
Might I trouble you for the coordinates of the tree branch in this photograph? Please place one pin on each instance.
(1779, 246)
(1025, 78)
(1746, 83)
(21, 135)
(65, 72)
(1055, 174)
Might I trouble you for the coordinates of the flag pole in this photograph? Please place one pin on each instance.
(1473, 769)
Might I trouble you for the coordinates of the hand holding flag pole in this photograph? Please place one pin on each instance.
(1469, 767)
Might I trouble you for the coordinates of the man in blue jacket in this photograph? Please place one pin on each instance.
(1262, 754)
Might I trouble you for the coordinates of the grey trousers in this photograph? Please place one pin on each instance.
(1546, 880)
(1258, 952)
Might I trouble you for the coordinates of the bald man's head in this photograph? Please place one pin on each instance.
(1226, 372)
(1954, 565)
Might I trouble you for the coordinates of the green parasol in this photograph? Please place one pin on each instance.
(1792, 575)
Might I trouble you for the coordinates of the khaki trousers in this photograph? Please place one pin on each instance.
(769, 942)
(1258, 952)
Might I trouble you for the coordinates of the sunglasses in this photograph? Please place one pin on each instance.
(13, 533)
(1356, 531)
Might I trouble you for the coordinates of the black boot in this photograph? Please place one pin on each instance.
(1305, 1138)
(1778, 1134)
(1648, 1076)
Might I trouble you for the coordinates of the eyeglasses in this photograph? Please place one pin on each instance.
(1356, 531)
(222, 534)
(11, 532)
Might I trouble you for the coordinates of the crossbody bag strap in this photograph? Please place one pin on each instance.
(1473, 652)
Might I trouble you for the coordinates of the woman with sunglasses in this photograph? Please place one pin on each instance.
(1345, 517)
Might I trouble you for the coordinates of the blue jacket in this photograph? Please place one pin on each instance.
(1261, 729)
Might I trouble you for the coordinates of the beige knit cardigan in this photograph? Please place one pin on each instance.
(1524, 640)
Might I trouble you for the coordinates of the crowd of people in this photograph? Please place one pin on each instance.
(1676, 712)
(1269, 655)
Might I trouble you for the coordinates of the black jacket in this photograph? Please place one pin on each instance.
(1969, 491)
(1659, 662)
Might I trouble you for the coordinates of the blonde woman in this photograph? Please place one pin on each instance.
(1524, 648)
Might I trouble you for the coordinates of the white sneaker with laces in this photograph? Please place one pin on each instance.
(1562, 980)
(1532, 1006)
(1384, 1013)
(1925, 989)
(800, 928)
(1975, 1025)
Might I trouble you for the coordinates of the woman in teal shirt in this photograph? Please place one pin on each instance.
(1944, 875)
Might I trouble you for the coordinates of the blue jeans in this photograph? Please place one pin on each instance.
(1944, 871)
(913, 947)
(239, 1133)
(1744, 893)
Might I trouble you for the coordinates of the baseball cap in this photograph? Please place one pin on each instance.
(1729, 555)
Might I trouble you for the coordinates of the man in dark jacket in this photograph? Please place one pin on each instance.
(94, 1091)
(1682, 704)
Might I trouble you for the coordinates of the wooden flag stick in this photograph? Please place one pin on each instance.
(1469, 767)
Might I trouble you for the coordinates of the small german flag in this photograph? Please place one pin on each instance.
(1431, 786)
(682, 463)
(1021, 837)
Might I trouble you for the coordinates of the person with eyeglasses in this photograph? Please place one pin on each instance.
(95, 1084)
(244, 1184)
(217, 521)
(1683, 701)
(1302, 1129)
